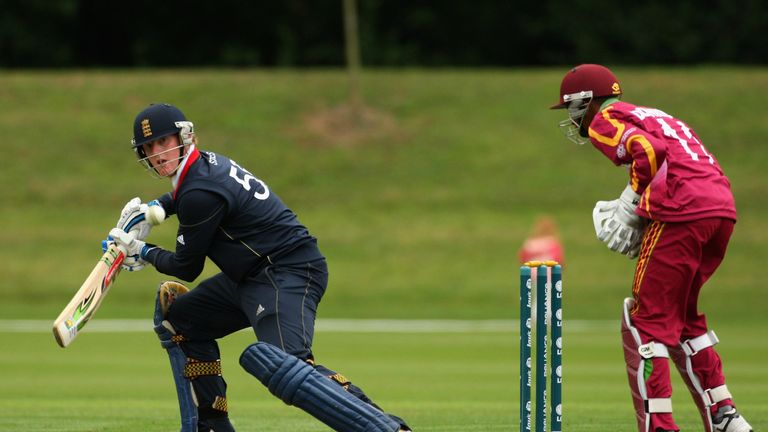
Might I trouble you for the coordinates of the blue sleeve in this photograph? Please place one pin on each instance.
(166, 201)
(200, 213)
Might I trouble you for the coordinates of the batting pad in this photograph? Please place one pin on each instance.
(297, 383)
(164, 330)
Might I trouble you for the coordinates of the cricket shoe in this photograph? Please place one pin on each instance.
(727, 419)
(220, 424)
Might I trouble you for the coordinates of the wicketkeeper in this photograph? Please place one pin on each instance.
(676, 215)
(272, 279)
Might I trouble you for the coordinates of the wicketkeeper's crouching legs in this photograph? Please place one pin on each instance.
(649, 381)
(701, 369)
(196, 370)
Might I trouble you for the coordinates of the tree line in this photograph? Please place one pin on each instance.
(392, 33)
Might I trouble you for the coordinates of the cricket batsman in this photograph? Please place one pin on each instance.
(272, 279)
(676, 216)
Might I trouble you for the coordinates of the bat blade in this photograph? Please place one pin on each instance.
(89, 297)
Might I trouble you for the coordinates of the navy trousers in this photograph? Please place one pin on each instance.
(279, 303)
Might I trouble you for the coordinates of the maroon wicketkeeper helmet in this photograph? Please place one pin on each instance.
(585, 81)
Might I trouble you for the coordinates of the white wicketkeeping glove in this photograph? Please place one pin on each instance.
(132, 247)
(634, 250)
(617, 225)
(602, 213)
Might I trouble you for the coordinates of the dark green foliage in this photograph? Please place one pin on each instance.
(296, 33)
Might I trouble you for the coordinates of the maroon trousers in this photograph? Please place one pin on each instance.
(675, 260)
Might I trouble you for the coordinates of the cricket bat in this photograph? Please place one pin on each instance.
(89, 297)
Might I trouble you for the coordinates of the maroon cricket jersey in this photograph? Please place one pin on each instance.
(677, 177)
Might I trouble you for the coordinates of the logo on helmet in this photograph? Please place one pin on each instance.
(145, 128)
(616, 88)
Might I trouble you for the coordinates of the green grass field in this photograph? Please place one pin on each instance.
(438, 381)
(420, 214)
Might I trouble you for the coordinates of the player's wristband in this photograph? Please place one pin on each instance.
(105, 243)
(145, 250)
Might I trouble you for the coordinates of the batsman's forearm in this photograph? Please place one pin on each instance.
(169, 263)
(200, 214)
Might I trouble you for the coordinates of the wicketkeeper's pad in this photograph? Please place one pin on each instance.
(704, 398)
(636, 355)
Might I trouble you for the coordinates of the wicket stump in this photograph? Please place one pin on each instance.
(549, 293)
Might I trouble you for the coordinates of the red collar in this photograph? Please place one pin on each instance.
(194, 156)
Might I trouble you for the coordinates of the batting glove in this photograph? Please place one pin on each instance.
(133, 219)
(134, 259)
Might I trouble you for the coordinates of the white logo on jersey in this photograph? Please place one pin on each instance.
(180, 239)
(621, 151)
(259, 310)
(642, 113)
(626, 135)
(212, 159)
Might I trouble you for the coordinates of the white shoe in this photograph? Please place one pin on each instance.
(728, 419)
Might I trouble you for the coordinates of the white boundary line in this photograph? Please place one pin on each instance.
(330, 325)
